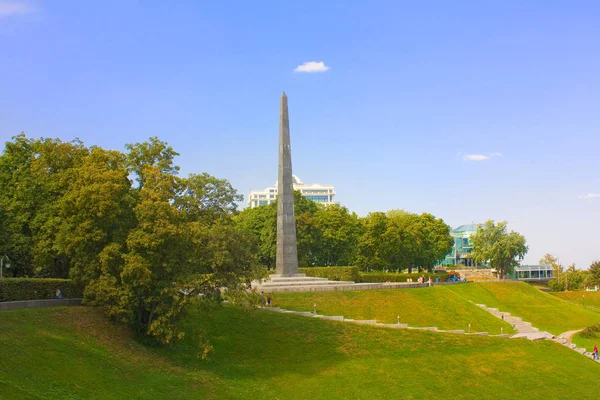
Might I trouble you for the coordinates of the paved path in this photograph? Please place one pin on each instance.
(528, 331)
(569, 335)
(375, 323)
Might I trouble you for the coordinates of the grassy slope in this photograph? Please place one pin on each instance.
(591, 299)
(587, 343)
(73, 353)
(436, 306)
(543, 310)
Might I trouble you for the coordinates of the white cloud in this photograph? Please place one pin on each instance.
(481, 157)
(590, 196)
(312, 66)
(10, 8)
(475, 157)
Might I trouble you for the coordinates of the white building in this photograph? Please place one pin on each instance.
(322, 194)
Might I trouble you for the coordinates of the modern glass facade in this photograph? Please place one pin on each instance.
(533, 272)
(463, 248)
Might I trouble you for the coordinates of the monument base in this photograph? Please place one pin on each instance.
(294, 283)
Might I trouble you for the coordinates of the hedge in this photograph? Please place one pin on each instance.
(332, 273)
(12, 289)
(393, 277)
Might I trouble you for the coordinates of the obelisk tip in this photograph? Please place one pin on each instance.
(283, 94)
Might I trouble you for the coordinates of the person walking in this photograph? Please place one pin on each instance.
(595, 352)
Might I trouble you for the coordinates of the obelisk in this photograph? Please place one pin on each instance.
(286, 260)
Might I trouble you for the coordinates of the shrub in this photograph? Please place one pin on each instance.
(591, 332)
(393, 277)
(12, 289)
(332, 273)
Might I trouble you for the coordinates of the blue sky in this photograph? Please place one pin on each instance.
(469, 110)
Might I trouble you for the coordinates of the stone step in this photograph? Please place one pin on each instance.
(364, 321)
(297, 279)
(329, 317)
(270, 284)
(395, 326)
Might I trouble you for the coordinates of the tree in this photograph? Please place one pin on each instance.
(34, 175)
(338, 234)
(594, 271)
(502, 250)
(183, 246)
(153, 153)
(371, 251)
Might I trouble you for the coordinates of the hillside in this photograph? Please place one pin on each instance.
(74, 353)
(435, 306)
(543, 310)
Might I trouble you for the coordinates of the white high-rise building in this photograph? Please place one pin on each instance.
(322, 194)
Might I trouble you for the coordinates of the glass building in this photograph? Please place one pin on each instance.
(322, 194)
(463, 248)
(533, 272)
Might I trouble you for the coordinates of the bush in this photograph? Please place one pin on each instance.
(332, 273)
(591, 332)
(12, 289)
(394, 277)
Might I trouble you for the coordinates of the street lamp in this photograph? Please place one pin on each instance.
(3, 262)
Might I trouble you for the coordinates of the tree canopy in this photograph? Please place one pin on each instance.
(494, 245)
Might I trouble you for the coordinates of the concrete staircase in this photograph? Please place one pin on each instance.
(297, 283)
(524, 329)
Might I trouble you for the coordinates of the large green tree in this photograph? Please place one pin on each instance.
(594, 272)
(35, 175)
(372, 252)
(494, 245)
(338, 232)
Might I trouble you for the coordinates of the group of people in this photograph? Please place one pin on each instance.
(423, 279)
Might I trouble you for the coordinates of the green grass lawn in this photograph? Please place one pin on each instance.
(74, 353)
(586, 343)
(543, 310)
(435, 306)
(588, 299)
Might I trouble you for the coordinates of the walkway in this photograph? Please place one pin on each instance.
(524, 329)
(375, 323)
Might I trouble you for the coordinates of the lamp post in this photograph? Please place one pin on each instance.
(2, 263)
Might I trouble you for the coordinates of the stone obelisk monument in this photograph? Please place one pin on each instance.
(287, 250)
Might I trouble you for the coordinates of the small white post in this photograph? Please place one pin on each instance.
(469, 328)
(315, 308)
(398, 320)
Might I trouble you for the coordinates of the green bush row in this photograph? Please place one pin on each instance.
(12, 289)
(393, 277)
(332, 273)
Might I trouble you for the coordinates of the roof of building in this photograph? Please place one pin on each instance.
(466, 228)
(542, 267)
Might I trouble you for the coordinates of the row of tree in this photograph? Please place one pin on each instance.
(333, 236)
(571, 278)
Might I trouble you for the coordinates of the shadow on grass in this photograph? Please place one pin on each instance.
(251, 343)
